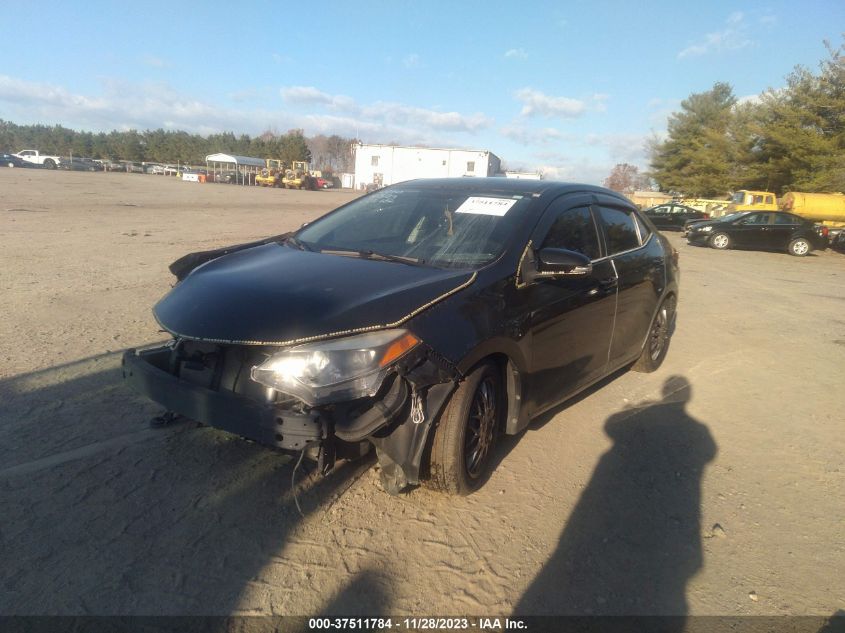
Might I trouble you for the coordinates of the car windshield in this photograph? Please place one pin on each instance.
(442, 228)
(738, 198)
(730, 217)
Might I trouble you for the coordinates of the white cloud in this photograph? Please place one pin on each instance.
(732, 37)
(388, 112)
(516, 53)
(411, 61)
(309, 95)
(621, 147)
(530, 136)
(599, 100)
(535, 103)
(123, 105)
(156, 62)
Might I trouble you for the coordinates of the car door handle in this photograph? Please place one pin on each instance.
(607, 284)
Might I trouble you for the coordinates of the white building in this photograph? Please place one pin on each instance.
(524, 175)
(383, 165)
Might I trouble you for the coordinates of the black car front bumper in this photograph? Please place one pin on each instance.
(147, 373)
(341, 430)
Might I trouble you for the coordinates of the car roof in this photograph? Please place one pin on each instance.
(496, 184)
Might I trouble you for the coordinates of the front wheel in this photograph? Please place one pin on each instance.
(657, 343)
(799, 247)
(462, 448)
(720, 241)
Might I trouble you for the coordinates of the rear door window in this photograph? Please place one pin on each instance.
(620, 230)
(785, 218)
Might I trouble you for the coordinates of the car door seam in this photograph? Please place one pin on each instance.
(615, 310)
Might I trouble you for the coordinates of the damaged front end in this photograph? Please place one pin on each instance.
(331, 399)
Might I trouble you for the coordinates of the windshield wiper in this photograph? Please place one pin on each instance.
(298, 244)
(366, 254)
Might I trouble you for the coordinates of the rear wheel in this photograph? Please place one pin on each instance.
(462, 448)
(657, 343)
(720, 241)
(50, 163)
(799, 247)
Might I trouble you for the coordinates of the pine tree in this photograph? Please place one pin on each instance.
(696, 157)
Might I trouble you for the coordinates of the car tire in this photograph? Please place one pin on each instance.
(799, 247)
(465, 437)
(659, 335)
(720, 241)
(50, 164)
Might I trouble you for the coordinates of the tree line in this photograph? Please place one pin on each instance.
(791, 138)
(329, 153)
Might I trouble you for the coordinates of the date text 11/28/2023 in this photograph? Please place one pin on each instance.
(415, 624)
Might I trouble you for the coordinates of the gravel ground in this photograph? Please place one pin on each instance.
(713, 486)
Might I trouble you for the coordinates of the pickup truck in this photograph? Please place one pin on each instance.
(36, 157)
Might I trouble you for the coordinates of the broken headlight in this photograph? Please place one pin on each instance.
(336, 370)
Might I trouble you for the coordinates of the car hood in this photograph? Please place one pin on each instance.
(702, 222)
(276, 295)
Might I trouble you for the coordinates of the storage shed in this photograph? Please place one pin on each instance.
(233, 169)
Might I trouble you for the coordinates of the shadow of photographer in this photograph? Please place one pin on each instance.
(633, 540)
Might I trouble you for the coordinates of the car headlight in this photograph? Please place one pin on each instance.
(335, 370)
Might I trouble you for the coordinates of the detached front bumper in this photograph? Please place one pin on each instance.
(204, 384)
(146, 371)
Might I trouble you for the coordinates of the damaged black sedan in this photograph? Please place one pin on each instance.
(424, 319)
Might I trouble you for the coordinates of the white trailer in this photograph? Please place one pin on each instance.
(382, 165)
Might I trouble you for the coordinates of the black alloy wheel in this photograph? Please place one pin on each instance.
(465, 437)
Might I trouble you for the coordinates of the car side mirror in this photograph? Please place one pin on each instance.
(553, 262)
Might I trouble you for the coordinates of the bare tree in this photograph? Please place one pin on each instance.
(626, 178)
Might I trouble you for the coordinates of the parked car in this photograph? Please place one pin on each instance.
(673, 215)
(424, 319)
(79, 164)
(227, 177)
(133, 167)
(10, 160)
(774, 230)
(110, 165)
(691, 223)
(156, 169)
(324, 183)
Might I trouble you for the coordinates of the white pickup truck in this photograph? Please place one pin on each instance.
(34, 156)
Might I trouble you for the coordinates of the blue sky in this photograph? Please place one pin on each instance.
(570, 88)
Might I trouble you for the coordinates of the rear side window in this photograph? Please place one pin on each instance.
(574, 230)
(785, 218)
(644, 230)
(620, 229)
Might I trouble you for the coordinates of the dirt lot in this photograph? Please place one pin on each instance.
(714, 486)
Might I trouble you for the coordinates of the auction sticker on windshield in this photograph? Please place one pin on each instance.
(486, 206)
